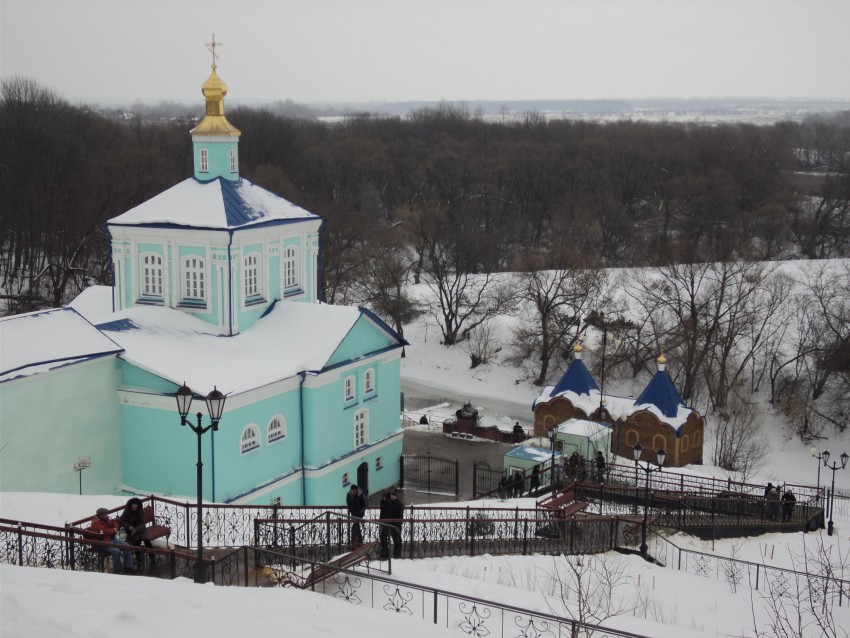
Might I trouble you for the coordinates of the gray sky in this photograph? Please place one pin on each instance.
(394, 50)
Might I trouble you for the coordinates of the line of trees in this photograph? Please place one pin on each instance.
(455, 202)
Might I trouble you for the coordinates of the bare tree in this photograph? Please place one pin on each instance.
(554, 302)
(586, 589)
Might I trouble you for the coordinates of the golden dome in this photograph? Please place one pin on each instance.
(661, 359)
(214, 122)
(578, 348)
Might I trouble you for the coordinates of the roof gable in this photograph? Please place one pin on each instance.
(368, 335)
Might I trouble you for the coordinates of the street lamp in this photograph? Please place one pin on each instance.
(215, 406)
(602, 371)
(819, 458)
(553, 432)
(833, 467)
(648, 469)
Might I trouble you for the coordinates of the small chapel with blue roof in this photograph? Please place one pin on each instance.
(657, 419)
(215, 287)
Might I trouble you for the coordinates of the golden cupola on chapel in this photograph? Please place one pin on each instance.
(215, 140)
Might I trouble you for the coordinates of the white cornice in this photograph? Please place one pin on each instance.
(334, 465)
(332, 376)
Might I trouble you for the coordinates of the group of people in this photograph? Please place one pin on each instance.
(390, 519)
(775, 503)
(123, 533)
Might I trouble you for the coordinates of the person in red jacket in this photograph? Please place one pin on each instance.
(108, 529)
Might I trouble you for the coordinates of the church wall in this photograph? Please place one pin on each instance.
(50, 419)
(553, 412)
(238, 473)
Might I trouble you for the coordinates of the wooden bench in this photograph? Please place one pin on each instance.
(154, 530)
(326, 570)
(558, 500)
(573, 509)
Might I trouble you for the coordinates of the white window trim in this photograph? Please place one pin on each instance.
(346, 480)
(349, 382)
(257, 267)
(369, 382)
(361, 437)
(282, 436)
(184, 271)
(290, 255)
(156, 268)
(256, 431)
(234, 162)
(379, 463)
(203, 160)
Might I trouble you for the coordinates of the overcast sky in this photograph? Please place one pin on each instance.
(396, 50)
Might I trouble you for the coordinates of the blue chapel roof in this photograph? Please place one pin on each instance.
(576, 379)
(661, 393)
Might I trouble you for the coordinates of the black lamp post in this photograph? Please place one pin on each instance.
(602, 370)
(553, 433)
(215, 406)
(648, 469)
(833, 467)
(819, 458)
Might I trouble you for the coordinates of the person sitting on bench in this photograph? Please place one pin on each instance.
(133, 520)
(108, 529)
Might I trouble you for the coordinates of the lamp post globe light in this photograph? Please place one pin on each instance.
(215, 408)
(834, 466)
(660, 456)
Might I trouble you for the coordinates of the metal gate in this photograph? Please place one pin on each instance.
(484, 479)
(426, 473)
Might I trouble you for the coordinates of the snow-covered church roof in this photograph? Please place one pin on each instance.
(216, 204)
(659, 397)
(293, 337)
(41, 341)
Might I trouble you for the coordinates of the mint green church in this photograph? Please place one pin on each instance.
(215, 287)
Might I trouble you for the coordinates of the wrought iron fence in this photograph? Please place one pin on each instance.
(369, 588)
(427, 473)
(759, 577)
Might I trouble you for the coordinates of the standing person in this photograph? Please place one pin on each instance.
(396, 519)
(132, 519)
(600, 466)
(773, 504)
(767, 489)
(518, 484)
(788, 501)
(108, 529)
(355, 500)
(574, 461)
(535, 479)
(503, 488)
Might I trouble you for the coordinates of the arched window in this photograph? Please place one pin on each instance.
(234, 162)
(361, 428)
(345, 480)
(658, 443)
(369, 382)
(204, 160)
(276, 430)
(252, 275)
(632, 438)
(379, 463)
(685, 443)
(291, 279)
(548, 422)
(250, 439)
(152, 275)
(349, 388)
(194, 279)
(697, 437)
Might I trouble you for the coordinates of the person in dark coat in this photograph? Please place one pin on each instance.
(132, 519)
(788, 501)
(518, 433)
(355, 500)
(503, 488)
(535, 479)
(767, 489)
(773, 504)
(391, 515)
(599, 461)
(518, 484)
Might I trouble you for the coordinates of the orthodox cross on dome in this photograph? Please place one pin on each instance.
(211, 48)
